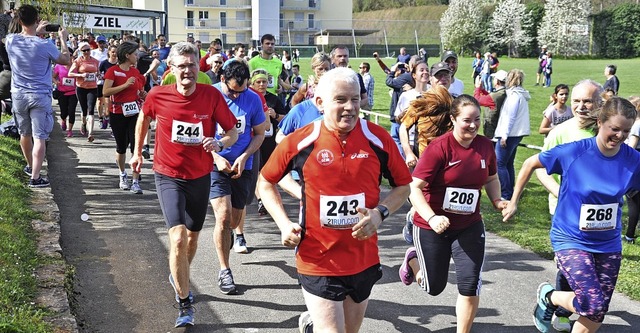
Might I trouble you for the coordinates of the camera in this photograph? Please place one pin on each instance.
(52, 27)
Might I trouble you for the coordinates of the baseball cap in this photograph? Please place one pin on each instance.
(544, 46)
(439, 67)
(101, 39)
(447, 55)
(500, 75)
(83, 44)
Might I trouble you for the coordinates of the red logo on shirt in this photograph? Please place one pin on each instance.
(325, 157)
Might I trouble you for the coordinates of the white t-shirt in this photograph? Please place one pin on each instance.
(403, 103)
(456, 88)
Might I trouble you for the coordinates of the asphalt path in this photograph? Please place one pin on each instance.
(121, 266)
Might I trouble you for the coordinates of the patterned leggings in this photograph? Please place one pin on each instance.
(593, 278)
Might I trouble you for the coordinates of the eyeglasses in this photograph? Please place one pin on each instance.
(218, 62)
(86, 50)
(234, 91)
(217, 50)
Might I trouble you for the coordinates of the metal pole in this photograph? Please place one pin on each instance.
(355, 47)
(415, 32)
(386, 43)
(289, 34)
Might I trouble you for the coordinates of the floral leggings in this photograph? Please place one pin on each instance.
(593, 277)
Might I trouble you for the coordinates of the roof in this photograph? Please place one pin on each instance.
(345, 32)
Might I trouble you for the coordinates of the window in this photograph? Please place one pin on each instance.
(299, 16)
(223, 2)
(312, 3)
(311, 22)
(203, 15)
(281, 20)
(189, 2)
(312, 40)
(223, 19)
(223, 37)
(190, 18)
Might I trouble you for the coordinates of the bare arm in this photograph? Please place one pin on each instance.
(289, 231)
(108, 89)
(438, 223)
(545, 126)
(142, 127)
(548, 182)
(64, 58)
(492, 186)
(410, 157)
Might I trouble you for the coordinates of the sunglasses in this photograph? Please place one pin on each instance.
(218, 50)
(218, 62)
(259, 71)
(87, 50)
(234, 91)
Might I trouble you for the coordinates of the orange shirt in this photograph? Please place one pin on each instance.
(89, 66)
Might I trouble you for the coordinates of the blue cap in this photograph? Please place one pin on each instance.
(101, 39)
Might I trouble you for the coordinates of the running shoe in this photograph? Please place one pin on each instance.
(83, 130)
(63, 125)
(173, 284)
(38, 183)
(185, 314)
(305, 325)
(406, 273)
(561, 324)
(124, 182)
(28, 170)
(262, 211)
(145, 152)
(407, 230)
(69, 134)
(543, 311)
(625, 238)
(225, 282)
(135, 188)
(240, 245)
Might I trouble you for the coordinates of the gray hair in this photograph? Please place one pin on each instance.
(597, 95)
(328, 80)
(182, 49)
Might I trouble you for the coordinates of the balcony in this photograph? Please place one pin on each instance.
(308, 5)
(301, 25)
(228, 24)
(230, 4)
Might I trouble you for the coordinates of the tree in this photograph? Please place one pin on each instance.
(459, 24)
(565, 27)
(508, 27)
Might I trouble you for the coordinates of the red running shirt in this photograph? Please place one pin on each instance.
(120, 77)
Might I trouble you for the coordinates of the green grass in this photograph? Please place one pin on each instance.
(530, 228)
(18, 257)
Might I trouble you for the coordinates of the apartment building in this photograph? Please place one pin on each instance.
(293, 22)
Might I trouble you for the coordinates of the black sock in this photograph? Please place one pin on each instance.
(184, 300)
(548, 298)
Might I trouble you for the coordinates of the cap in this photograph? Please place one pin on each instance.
(500, 75)
(439, 67)
(101, 39)
(447, 55)
(544, 46)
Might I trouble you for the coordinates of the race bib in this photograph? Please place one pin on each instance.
(598, 217)
(240, 125)
(340, 212)
(69, 82)
(90, 77)
(460, 200)
(269, 133)
(186, 133)
(130, 109)
(270, 82)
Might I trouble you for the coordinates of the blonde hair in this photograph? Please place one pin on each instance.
(515, 78)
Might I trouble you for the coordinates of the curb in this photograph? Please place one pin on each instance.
(51, 293)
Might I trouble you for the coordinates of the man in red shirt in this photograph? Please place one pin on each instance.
(341, 160)
(186, 115)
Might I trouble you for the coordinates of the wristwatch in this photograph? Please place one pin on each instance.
(384, 211)
(220, 145)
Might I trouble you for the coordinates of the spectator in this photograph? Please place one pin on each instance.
(513, 125)
(493, 101)
(369, 83)
(548, 70)
(400, 81)
(403, 56)
(558, 111)
(477, 66)
(541, 58)
(612, 80)
(31, 58)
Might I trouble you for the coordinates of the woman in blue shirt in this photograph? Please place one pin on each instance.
(586, 229)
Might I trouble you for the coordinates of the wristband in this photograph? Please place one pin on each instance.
(429, 219)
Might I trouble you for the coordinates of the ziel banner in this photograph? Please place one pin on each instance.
(109, 22)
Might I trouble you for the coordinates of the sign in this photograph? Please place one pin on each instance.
(106, 22)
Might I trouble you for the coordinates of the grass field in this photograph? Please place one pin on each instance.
(530, 228)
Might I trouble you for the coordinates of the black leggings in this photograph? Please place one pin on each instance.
(87, 99)
(124, 129)
(68, 105)
(634, 214)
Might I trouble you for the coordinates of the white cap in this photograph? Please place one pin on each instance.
(500, 75)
